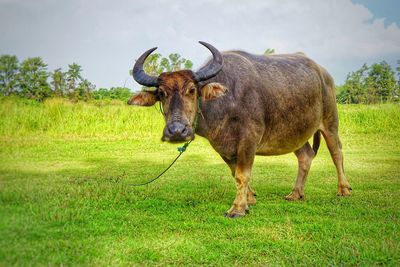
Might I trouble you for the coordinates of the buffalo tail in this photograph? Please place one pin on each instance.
(316, 142)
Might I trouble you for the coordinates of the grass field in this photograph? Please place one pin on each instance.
(63, 198)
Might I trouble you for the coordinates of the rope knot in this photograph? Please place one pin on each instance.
(182, 149)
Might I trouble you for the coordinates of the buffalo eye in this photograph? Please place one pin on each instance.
(191, 91)
(162, 94)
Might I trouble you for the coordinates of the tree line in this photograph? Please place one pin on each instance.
(31, 79)
(371, 84)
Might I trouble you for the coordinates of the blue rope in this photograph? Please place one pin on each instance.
(181, 149)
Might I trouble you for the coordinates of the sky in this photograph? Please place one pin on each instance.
(105, 37)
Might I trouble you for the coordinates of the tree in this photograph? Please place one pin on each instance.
(174, 62)
(152, 65)
(398, 71)
(381, 81)
(121, 93)
(73, 77)
(85, 90)
(367, 85)
(342, 95)
(102, 93)
(33, 79)
(353, 87)
(58, 82)
(8, 74)
(269, 51)
(397, 93)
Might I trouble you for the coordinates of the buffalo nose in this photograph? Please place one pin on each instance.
(177, 129)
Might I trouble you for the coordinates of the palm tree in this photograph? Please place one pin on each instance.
(58, 82)
(73, 76)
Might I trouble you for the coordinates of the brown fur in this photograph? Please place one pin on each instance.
(179, 81)
(264, 105)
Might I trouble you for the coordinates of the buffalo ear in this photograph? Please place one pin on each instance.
(144, 98)
(213, 90)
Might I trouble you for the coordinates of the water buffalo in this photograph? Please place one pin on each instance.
(250, 105)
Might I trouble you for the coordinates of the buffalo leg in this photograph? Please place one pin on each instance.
(335, 148)
(304, 157)
(251, 194)
(244, 163)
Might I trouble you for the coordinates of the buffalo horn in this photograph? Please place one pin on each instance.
(211, 69)
(140, 75)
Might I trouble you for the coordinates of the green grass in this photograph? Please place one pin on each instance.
(63, 198)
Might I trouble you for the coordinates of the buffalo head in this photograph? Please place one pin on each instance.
(178, 93)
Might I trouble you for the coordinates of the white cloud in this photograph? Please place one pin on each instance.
(105, 37)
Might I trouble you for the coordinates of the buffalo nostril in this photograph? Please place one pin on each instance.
(185, 131)
(171, 130)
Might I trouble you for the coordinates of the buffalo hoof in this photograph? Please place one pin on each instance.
(294, 196)
(236, 212)
(234, 215)
(344, 191)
